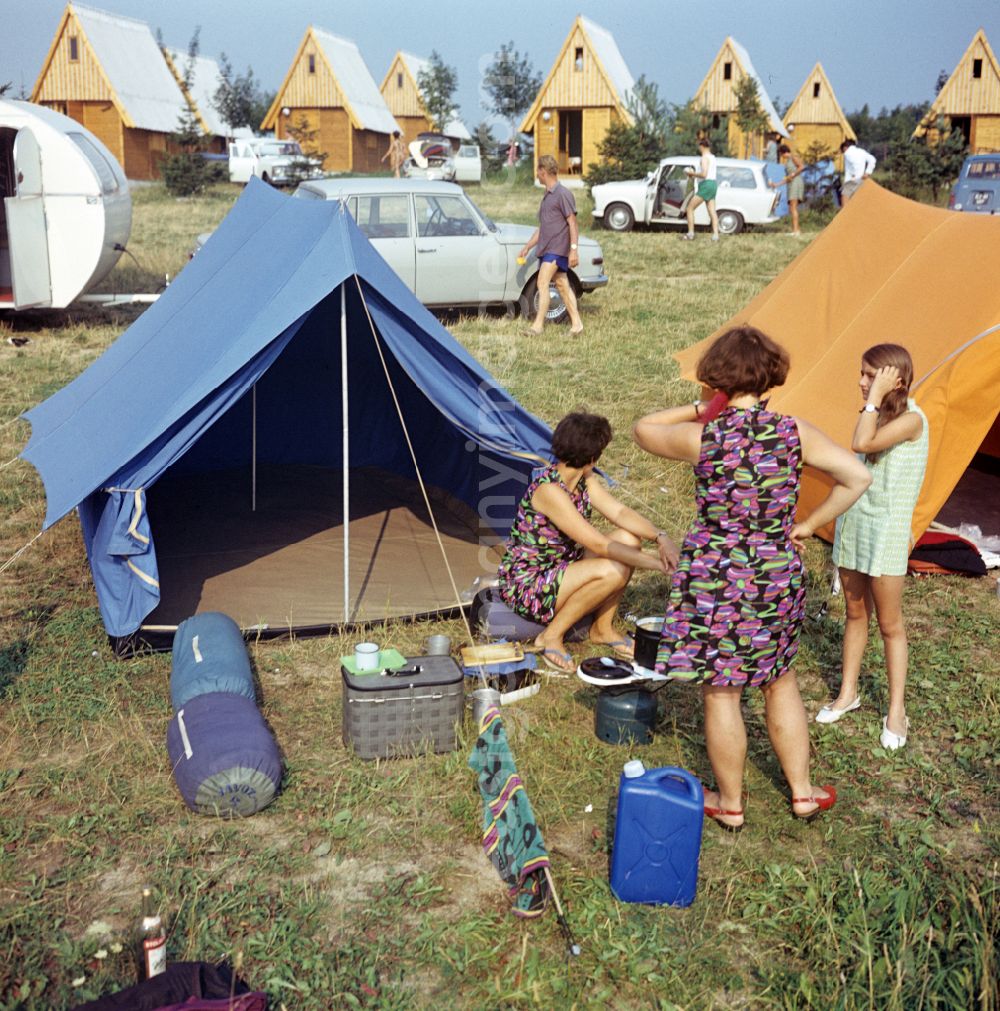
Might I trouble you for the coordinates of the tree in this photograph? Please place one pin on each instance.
(186, 172)
(926, 163)
(238, 97)
(629, 151)
(690, 124)
(437, 83)
(942, 80)
(487, 146)
(511, 83)
(751, 118)
(308, 139)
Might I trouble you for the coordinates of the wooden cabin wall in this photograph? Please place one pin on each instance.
(368, 146)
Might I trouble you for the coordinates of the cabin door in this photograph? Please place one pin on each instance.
(26, 232)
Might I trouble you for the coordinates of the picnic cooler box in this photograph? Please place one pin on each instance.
(403, 715)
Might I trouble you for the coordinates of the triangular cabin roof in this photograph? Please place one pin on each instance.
(612, 86)
(353, 83)
(963, 94)
(810, 107)
(407, 101)
(205, 81)
(122, 64)
(719, 95)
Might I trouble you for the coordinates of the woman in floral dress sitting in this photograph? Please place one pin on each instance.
(558, 567)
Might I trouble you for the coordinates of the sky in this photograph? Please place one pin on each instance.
(882, 53)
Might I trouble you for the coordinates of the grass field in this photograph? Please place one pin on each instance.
(363, 885)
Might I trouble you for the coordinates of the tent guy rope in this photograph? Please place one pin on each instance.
(416, 466)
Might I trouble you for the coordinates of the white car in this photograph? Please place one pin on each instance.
(278, 162)
(449, 253)
(743, 198)
(468, 164)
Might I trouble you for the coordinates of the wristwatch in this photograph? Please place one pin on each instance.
(572, 245)
(868, 409)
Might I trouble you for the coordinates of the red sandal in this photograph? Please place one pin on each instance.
(715, 812)
(823, 803)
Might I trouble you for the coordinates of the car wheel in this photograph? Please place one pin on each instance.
(558, 313)
(265, 178)
(619, 218)
(730, 222)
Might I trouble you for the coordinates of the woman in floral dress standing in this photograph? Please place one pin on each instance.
(558, 567)
(737, 596)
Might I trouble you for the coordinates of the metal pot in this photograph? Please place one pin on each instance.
(647, 640)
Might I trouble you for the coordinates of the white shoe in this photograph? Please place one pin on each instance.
(891, 741)
(830, 715)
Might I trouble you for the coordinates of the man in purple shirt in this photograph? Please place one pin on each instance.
(555, 243)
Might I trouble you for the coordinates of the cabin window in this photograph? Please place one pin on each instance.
(578, 58)
(74, 49)
(977, 69)
(399, 79)
(727, 71)
(312, 63)
(816, 89)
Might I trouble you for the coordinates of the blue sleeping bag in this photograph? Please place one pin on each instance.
(224, 756)
(209, 656)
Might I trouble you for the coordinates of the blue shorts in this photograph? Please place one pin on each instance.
(561, 262)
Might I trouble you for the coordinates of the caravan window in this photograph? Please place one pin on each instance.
(382, 217)
(986, 169)
(105, 173)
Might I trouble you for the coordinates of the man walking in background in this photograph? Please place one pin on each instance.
(858, 166)
(555, 241)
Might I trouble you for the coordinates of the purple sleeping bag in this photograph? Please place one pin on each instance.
(224, 756)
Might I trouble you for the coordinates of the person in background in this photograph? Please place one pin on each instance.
(705, 193)
(738, 594)
(794, 167)
(872, 540)
(555, 242)
(396, 153)
(771, 148)
(557, 567)
(858, 166)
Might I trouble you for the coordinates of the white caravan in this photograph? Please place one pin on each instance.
(66, 210)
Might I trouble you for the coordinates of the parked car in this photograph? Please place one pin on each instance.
(743, 198)
(431, 157)
(446, 249)
(278, 162)
(978, 186)
(468, 164)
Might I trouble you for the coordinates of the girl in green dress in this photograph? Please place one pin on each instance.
(872, 541)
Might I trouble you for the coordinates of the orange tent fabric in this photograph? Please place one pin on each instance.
(889, 269)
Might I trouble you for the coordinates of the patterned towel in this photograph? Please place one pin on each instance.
(511, 836)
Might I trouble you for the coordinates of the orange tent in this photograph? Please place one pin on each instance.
(889, 269)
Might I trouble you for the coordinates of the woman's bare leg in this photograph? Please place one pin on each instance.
(887, 593)
(858, 605)
(726, 741)
(689, 213)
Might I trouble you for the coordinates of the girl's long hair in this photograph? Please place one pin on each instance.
(894, 402)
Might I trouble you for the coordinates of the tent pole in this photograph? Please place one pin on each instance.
(346, 451)
(253, 458)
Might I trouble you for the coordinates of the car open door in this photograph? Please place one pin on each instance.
(27, 236)
(652, 186)
(674, 192)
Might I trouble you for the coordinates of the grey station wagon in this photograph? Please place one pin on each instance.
(978, 186)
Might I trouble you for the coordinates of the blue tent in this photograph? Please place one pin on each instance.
(206, 448)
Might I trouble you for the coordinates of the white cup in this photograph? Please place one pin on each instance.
(366, 656)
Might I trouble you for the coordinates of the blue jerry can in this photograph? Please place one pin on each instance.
(657, 836)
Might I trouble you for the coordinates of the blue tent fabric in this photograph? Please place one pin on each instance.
(268, 280)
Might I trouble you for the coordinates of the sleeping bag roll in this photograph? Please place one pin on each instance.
(224, 756)
(209, 656)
